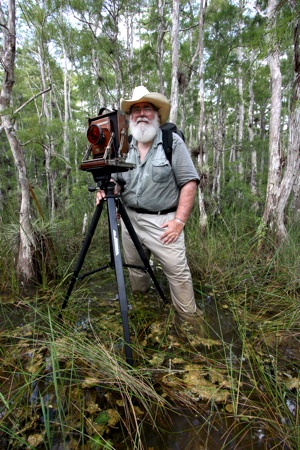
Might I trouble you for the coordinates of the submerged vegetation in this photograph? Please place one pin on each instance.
(235, 384)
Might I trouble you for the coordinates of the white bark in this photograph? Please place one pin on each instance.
(251, 139)
(218, 148)
(129, 42)
(66, 151)
(274, 171)
(292, 170)
(241, 114)
(160, 43)
(175, 56)
(47, 113)
(202, 156)
(279, 187)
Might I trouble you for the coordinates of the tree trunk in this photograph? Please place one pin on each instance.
(240, 85)
(218, 148)
(129, 21)
(175, 55)
(25, 266)
(251, 139)
(66, 150)
(241, 114)
(202, 155)
(279, 188)
(274, 170)
(293, 157)
(48, 146)
(274, 173)
(160, 44)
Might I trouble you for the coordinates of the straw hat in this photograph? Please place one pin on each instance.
(141, 94)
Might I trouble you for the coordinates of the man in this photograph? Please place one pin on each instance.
(158, 198)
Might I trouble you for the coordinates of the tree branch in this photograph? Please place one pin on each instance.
(32, 98)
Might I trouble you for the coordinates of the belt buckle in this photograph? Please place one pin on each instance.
(158, 213)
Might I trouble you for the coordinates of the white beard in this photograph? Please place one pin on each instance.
(144, 130)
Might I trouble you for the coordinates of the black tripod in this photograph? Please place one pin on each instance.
(112, 200)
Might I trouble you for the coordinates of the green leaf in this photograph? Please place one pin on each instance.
(102, 418)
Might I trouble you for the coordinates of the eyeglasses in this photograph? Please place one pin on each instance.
(135, 110)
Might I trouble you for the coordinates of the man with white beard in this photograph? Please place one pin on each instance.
(158, 198)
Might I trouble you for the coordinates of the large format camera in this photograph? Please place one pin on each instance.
(108, 138)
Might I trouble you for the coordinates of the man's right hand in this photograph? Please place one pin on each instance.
(100, 196)
(101, 193)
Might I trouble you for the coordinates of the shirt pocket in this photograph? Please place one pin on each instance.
(161, 171)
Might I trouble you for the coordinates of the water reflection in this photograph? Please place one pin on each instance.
(184, 430)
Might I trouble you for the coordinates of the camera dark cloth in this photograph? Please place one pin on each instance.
(154, 185)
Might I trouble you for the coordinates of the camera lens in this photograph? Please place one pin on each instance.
(95, 134)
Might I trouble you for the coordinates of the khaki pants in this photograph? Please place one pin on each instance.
(171, 256)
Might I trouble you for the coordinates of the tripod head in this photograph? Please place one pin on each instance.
(104, 183)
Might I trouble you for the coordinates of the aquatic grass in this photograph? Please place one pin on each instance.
(73, 362)
(266, 376)
(246, 387)
(228, 256)
(263, 380)
(48, 438)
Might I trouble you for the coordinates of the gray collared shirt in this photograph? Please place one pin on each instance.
(154, 184)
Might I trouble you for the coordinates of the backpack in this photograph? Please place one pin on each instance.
(168, 129)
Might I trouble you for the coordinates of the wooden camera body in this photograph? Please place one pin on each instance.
(108, 138)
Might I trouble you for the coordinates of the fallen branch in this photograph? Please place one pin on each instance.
(32, 98)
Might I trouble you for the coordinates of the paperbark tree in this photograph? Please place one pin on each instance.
(160, 43)
(67, 109)
(46, 112)
(253, 181)
(292, 170)
(280, 186)
(241, 112)
(202, 156)
(240, 85)
(175, 58)
(27, 244)
(218, 149)
(274, 170)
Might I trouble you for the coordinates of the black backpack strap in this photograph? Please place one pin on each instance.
(167, 136)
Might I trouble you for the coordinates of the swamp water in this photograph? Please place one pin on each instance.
(55, 397)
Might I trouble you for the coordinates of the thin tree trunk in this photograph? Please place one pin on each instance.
(47, 146)
(240, 84)
(251, 139)
(218, 148)
(241, 115)
(160, 43)
(66, 152)
(175, 56)
(129, 43)
(202, 155)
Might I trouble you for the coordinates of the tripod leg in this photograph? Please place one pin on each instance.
(83, 252)
(116, 247)
(139, 248)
